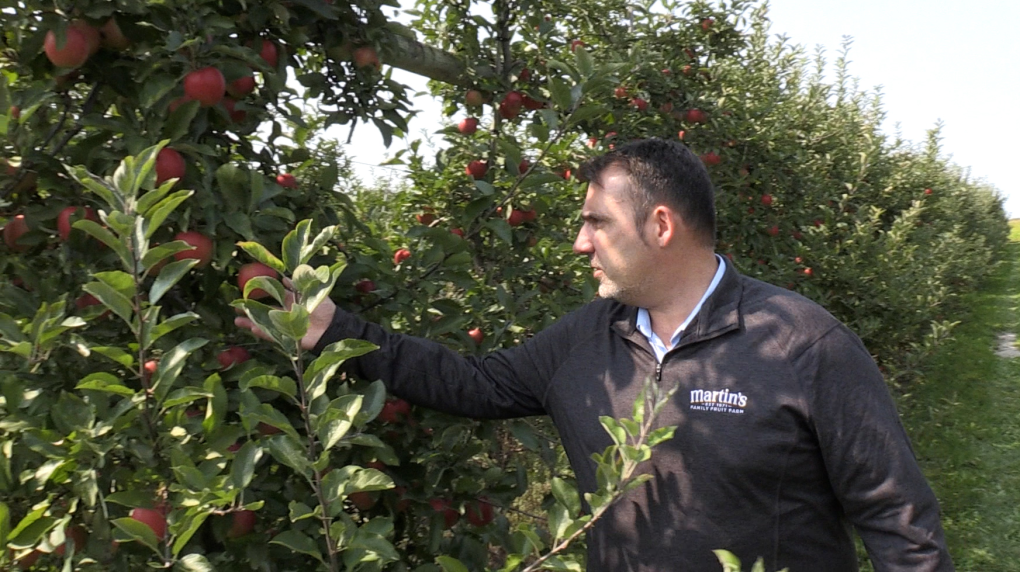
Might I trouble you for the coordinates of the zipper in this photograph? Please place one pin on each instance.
(658, 371)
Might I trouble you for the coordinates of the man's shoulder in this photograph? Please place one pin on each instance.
(789, 315)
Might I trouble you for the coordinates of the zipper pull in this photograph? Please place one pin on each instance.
(658, 371)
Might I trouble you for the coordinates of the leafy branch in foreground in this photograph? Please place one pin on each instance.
(617, 473)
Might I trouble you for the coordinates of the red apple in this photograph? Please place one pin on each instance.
(169, 165)
(91, 33)
(473, 98)
(235, 115)
(425, 219)
(477, 335)
(620, 92)
(688, 69)
(14, 111)
(366, 56)
(78, 536)
(72, 53)
(64, 219)
(153, 518)
(706, 24)
(479, 512)
(401, 255)
(807, 272)
(252, 270)
(574, 44)
(365, 286)
(457, 231)
(13, 231)
(639, 103)
(241, 86)
(766, 200)
(523, 166)
(394, 410)
(711, 158)
(666, 107)
(177, 102)
(519, 217)
(927, 191)
(269, 53)
(243, 523)
(450, 514)
(148, 370)
(468, 126)
(111, 37)
(27, 561)
(514, 99)
(476, 169)
(265, 429)
(85, 300)
(532, 104)
(525, 75)
(362, 500)
(207, 85)
(287, 180)
(773, 230)
(234, 355)
(695, 116)
(203, 250)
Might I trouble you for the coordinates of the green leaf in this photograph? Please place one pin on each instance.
(729, 561)
(324, 236)
(163, 209)
(31, 528)
(186, 528)
(242, 470)
(501, 229)
(283, 385)
(338, 419)
(156, 254)
(185, 395)
(106, 382)
(136, 531)
(5, 524)
(292, 323)
(618, 433)
(193, 562)
(299, 511)
(170, 366)
(120, 281)
(103, 235)
(298, 542)
(584, 62)
(368, 480)
(566, 495)
(450, 564)
(169, 325)
(294, 243)
(168, 276)
(112, 299)
(560, 93)
(259, 252)
(115, 354)
(288, 451)
(110, 196)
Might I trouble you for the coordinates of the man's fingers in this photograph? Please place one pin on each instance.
(246, 324)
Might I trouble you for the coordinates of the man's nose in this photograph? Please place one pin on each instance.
(582, 244)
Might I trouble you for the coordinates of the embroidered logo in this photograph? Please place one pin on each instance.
(720, 401)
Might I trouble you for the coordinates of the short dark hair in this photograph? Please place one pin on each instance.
(663, 173)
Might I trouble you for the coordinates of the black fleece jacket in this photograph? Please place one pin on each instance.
(786, 433)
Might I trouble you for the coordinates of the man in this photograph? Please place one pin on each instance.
(786, 431)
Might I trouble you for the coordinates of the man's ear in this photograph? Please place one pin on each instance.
(665, 225)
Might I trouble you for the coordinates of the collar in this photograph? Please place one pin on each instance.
(643, 323)
(720, 313)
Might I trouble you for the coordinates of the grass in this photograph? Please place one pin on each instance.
(963, 417)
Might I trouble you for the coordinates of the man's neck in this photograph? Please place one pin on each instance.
(682, 294)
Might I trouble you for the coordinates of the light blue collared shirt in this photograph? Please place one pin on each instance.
(644, 321)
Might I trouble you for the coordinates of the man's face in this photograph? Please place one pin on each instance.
(621, 259)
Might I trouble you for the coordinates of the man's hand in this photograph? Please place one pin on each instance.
(318, 321)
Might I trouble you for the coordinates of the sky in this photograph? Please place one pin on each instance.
(932, 59)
